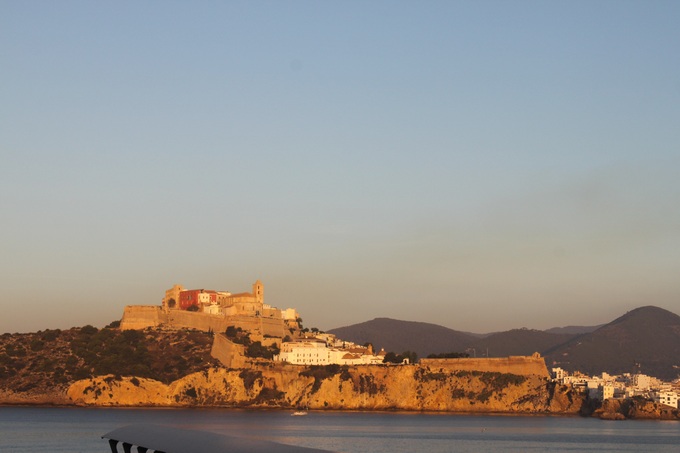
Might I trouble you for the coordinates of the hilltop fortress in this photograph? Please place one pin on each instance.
(265, 358)
(216, 311)
(211, 310)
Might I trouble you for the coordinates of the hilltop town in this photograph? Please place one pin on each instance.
(203, 347)
(245, 315)
(244, 319)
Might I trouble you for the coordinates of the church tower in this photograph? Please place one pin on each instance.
(258, 292)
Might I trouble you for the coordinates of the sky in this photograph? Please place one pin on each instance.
(478, 165)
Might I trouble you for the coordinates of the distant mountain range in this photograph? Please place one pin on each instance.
(646, 339)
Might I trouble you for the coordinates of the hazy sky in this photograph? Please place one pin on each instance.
(481, 165)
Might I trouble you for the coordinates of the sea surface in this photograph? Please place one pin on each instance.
(30, 429)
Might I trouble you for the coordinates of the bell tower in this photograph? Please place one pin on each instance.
(258, 292)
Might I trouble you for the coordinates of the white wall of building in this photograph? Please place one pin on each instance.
(667, 398)
(317, 353)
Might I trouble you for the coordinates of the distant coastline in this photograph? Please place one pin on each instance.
(180, 361)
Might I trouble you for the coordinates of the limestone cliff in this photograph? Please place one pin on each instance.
(355, 388)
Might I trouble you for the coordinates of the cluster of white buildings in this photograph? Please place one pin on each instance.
(325, 349)
(619, 387)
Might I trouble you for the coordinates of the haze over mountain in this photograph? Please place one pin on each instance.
(399, 336)
(573, 330)
(645, 339)
(517, 342)
(648, 336)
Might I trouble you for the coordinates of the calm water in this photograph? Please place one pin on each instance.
(79, 430)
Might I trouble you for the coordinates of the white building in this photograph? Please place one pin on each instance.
(606, 391)
(641, 382)
(304, 353)
(667, 398)
(289, 314)
(316, 352)
(559, 374)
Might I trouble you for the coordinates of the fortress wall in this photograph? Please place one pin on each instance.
(230, 354)
(141, 317)
(247, 323)
(273, 327)
(520, 365)
(199, 321)
(218, 323)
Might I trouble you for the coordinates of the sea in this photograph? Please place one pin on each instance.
(38, 429)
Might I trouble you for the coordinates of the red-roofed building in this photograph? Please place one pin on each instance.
(198, 297)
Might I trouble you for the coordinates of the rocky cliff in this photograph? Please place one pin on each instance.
(354, 388)
(108, 367)
(636, 408)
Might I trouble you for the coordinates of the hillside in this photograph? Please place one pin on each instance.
(648, 336)
(518, 342)
(573, 330)
(47, 362)
(399, 336)
(424, 339)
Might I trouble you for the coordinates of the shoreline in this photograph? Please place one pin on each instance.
(335, 410)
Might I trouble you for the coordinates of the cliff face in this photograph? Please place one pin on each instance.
(363, 387)
(635, 408)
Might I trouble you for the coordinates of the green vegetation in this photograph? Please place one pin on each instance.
(191, 392)
(368, 385)
(256, 349)
(500, 381)
(323, 372)
(391, 357)
(425, 376)
(494, 380)
(250, 377)
(113, 352)
(269, 395)
(54, 358)
(253, 349)
(484, 395)
(234, 333)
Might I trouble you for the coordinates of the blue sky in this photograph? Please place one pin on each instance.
(479, 165)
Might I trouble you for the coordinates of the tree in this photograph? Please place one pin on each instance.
(193, 307)
(391, 357)
(410, 355)
(232, 331)
(88, 330)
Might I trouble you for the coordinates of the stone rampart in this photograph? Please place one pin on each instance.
(520, 365)
(231, 355)
(141, 317)
(195, 320)
(273, 327)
